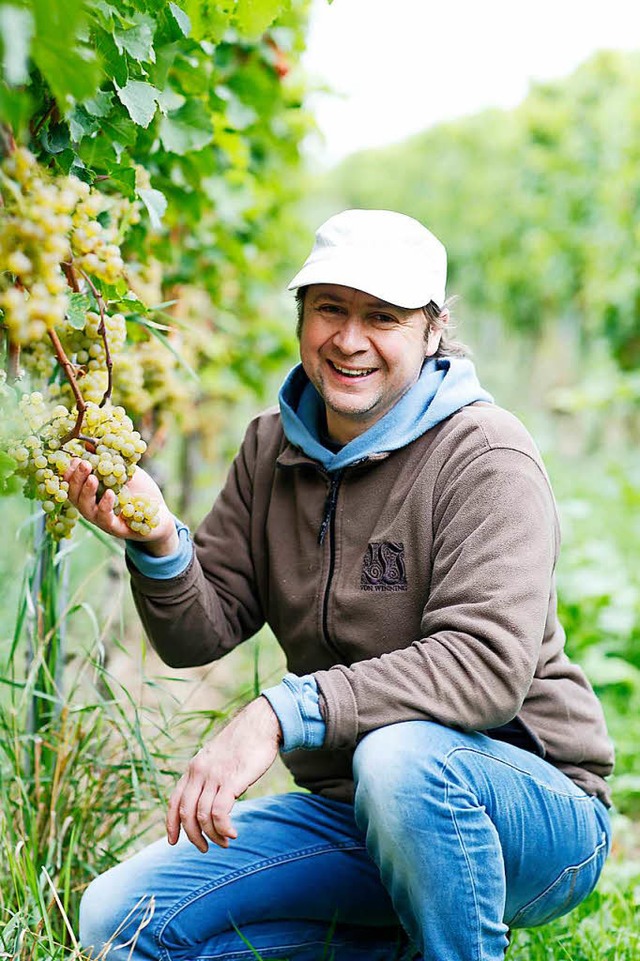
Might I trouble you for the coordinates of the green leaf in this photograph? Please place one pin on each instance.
(12, 485)
(209, 21)
(100, 104)
(189, 128)
(69, 68)
(182, 19)
(81, 124)
(252, 17)
(141, 100)
(114, 63)
(55, 138)
(125, 180)
(16, 107)
(66, 159)
(170, 100)
(7, 465)
(120, 130)
(138, 39)
(79, 304)
(156, 204)
(16, 30)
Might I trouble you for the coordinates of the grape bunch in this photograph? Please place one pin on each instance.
(41, 461)
(113, 452)
(49, 222)
(43, 456)
(59, 258)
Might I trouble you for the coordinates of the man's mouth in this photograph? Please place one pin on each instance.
(353, 372)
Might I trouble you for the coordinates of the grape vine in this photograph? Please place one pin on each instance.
(59, 244)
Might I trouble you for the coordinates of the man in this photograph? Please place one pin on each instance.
(398, 533)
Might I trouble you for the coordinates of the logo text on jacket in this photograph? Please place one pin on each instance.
(383, 567)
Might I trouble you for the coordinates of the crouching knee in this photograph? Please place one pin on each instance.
(395, 768)
(107, 919)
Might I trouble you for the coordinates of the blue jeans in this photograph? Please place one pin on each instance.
(453, 838)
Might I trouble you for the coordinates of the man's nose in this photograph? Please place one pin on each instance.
(351, 337)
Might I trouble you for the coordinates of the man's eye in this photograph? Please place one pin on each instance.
(384, 318)
(329, 308)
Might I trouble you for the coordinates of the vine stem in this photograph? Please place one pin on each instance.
(102, 330)
(67, 366)
(13, 362)
(7, 140)
(43, 119)
(70, 274)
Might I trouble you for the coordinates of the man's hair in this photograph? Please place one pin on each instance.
(448, 347)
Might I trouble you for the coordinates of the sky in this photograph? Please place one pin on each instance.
(400, 66)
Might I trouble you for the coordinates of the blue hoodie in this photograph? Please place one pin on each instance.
(445, 385)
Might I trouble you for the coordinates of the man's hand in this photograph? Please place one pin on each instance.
(83, 487)
(220, 772)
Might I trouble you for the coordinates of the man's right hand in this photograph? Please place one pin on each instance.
(83, 488)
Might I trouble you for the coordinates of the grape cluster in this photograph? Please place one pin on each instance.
(60, 238)
(48, 222)
(42, 462)
(113, 451)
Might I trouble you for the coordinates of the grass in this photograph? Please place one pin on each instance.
(606, 926)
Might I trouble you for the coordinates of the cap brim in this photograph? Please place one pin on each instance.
(415, 289)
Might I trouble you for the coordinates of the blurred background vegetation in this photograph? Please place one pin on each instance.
(538, 208)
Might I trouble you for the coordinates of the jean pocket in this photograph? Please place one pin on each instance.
(565, 893)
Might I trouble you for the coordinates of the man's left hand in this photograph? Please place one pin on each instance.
(220, 772)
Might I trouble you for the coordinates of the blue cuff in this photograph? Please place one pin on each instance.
(296, 704)
(163, 568)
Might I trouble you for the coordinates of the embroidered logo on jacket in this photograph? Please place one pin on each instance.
(383, 567)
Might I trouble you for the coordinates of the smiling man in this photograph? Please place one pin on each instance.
(397, 532)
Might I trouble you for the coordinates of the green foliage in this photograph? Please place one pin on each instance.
(195, 110)
(538, 206)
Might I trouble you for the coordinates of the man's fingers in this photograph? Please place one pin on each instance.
(221, 814)
(76, 475)
(205, 818)
(173, 812)
(104, 514)
(187, 810)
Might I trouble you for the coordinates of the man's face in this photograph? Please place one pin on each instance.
(361, 354)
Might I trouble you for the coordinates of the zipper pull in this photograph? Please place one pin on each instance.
(329, 506)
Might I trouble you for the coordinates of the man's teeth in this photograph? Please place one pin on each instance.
(353, 373)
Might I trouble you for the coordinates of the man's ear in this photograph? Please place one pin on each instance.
(435, 334)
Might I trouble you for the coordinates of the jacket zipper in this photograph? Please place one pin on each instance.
(328, 524)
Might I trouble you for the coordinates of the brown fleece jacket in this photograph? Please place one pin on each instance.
(419, 584)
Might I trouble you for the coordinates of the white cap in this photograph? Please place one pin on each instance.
(383, 253)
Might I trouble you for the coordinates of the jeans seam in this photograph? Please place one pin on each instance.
(445, 764)
(245, 872)
(570, 867)
(264, 952)
(466, 749)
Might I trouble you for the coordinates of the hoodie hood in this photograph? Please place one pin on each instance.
(445, 385)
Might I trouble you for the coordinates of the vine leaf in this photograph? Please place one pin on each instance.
(254, 16)
(140, 99)
(137, 40)
(100, 104)
(68, 64)
(189, 128)
(7, 466)
(79, 304)
(156, 204)
(181, 18)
